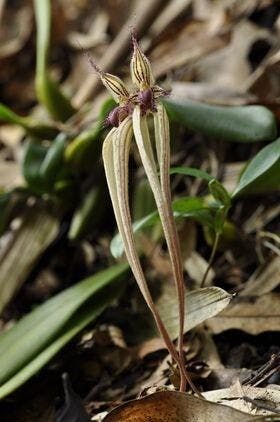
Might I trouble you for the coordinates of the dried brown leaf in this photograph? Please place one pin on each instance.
(15, 30)
(265, 280)
(196, 266)
(212, 94)
(200, 305)
(37, 231)
(176, 407)
(10, 175)
(261, 217)
(185, 45)
(235, 397)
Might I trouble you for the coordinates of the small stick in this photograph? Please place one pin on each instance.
(213, 253)
(260, 405)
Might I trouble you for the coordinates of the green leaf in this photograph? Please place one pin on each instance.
(191, 171)
(47, 90)
(53, 159)
(219, 193)
(33, 158)
(220, 219)
(189, 207)
(88, 214)
(37, 337)
(192, 207)
(32, 126)
(8, 116)
(238, 124)
(4, 205)
(263, 171)
(42, 165)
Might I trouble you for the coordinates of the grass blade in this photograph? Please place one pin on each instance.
(46, 329)
(47, 90)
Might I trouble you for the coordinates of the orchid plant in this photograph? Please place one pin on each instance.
(130, 118)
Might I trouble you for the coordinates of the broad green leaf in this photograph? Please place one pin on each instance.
(263, 171)
(239, 124)
(219, 193)
(88, 214)
(37, 337)
(42, 165)
(32, 126)
(47, 90)
(192, 207)
(33, 158)
(191, 171)
(200, 305)
(53, 159)
(189, 207)
(86, 147)
(4, 204)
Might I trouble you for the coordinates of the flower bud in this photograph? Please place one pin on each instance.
(140, 67)
(114, 84)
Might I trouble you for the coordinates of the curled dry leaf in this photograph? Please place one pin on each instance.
(176, 407)
(237, 396)
(200, 305)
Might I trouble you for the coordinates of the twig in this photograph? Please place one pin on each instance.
(264, 372)
(260, 405)
(214, 249)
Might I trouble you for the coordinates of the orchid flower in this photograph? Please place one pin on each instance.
(130, 118)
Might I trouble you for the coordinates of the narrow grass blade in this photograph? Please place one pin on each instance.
(47, 90)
